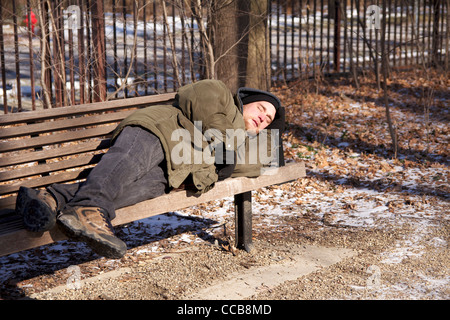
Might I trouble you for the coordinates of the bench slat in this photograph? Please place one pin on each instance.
(65, 124)
(222, 189)
(22, 117)
(11, 224)
(61, 151)
(21, 239)
(56, 138)
(50, 167)
(7, 204)
(45, 181)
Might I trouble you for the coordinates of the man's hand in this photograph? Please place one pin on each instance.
(225, 162)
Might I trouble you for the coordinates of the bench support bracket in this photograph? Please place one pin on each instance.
(243, 220)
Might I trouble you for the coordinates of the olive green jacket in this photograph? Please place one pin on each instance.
(204, 114)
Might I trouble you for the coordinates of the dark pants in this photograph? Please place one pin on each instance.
(130, 172)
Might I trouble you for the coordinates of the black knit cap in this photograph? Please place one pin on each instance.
(261, 97)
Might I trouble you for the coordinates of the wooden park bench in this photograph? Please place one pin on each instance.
(61, 145)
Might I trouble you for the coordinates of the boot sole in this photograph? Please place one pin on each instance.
(37, 215)
(73, 229)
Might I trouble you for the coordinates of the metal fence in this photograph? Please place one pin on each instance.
(338, 36)
(67, 52)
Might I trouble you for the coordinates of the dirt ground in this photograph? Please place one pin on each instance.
(185, 270)
(362, 225)
(183, 274)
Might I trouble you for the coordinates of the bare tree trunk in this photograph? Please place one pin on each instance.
(224, 27)
(44, 48)
(384, 67)
(447, 43)
(258, 51)
(372, 51)
(350, 52)
(172, 45)
(436, 40)
(206, 41)
(98, 37)
(59, 75)
(241, 45)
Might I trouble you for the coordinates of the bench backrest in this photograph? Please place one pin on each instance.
(39, 148)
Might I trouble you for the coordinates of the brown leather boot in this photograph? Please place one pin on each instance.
(92, 226)
(37, 208)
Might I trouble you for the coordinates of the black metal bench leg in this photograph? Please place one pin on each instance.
(243, 217)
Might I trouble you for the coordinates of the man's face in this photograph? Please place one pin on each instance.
(258, 115)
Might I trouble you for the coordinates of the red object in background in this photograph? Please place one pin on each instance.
(33, 21)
